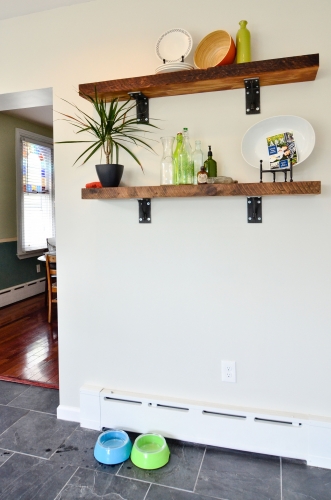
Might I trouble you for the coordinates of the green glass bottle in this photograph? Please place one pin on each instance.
(243, 44)
(179, 146)
(210, 164)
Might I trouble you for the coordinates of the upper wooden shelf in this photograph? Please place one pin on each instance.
(270, 72)
(186, 191)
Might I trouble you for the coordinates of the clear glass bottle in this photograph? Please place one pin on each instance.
(167, 163)
(210, 164)
(179, 146)
(197, 159)
(185, 162)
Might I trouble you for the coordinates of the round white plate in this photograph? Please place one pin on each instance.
(254, 144)
(173, 44)
(170, 70)
(175, 65)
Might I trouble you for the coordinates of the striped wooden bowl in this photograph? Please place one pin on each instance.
(216, 49)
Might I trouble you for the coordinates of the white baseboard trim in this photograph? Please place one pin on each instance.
(20, 292)
(273, 433)
(90, 416)
(70, 413)
(322, 462)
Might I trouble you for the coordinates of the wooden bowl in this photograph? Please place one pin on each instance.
(216, 49)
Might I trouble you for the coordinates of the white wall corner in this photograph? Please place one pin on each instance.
(71, 413)
(90, 413)
(319, 444)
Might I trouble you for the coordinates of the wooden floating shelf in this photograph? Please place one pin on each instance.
(190, 191)
(270, 72)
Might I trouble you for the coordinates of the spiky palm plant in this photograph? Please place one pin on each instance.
(111, 130)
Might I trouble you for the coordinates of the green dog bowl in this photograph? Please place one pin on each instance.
(150, 451)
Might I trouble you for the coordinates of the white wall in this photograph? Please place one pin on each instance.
(154, 308)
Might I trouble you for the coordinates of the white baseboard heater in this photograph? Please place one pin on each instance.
(280, 434)
(22, 291)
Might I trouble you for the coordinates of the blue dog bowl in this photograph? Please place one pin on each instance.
(112, 447)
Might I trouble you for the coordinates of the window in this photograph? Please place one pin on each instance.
(35, 193)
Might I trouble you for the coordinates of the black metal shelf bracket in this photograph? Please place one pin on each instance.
(252, 92)
(142, 104)
(145, 211)
(254, 209)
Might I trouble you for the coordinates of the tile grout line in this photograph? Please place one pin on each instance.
(6, 458)
(195, 484)
(281, 478)
(25, 454)
(135, 479)
(65, 439)
(116, 473)
(27, 411)
(59, 493)
(149, 487)
(27, 387)
(175, 488)
(29, 454)
(156, 484)
(35, 411)
(19, 475)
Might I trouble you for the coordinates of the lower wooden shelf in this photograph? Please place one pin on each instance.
(190, 191)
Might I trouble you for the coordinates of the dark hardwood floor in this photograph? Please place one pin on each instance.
(28, 344)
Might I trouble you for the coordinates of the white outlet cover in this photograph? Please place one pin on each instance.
(228, 371)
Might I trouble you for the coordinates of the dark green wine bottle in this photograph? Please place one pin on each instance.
(210, 164)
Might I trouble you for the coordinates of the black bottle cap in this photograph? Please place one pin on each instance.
(210, 153)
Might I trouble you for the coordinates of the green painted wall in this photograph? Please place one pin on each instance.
(13, 271)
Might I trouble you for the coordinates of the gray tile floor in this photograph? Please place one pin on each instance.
(42, 458)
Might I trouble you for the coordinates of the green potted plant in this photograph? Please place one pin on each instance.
(112, 129)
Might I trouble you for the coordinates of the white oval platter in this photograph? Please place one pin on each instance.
(254, 144)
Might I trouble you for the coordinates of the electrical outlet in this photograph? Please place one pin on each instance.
(38, 268)
(228, 371)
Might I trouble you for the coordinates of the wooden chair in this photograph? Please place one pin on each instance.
(51, 283)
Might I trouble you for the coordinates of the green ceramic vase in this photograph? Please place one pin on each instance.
(243, 43)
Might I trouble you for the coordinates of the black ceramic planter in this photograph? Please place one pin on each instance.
(110, 175)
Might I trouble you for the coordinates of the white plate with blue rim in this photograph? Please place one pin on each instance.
(173, 45)
(254, 144)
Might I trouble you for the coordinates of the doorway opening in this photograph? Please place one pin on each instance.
(28, 343)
